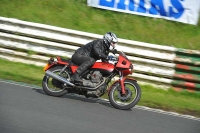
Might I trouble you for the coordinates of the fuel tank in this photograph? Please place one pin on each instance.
(103, 66)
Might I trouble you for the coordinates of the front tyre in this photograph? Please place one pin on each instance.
(128, 100)
(52, 86)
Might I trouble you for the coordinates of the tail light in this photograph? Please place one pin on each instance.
(52, 60)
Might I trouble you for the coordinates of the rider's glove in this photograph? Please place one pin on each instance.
(110, 57)
(114, 51)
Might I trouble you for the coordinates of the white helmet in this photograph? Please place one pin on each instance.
(110, 40)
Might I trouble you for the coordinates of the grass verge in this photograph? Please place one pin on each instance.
(181, 102)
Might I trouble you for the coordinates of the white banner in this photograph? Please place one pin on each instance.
(185, 11)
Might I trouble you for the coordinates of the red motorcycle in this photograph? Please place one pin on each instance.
(124, 93)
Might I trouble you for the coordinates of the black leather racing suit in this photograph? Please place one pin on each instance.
(87, 55)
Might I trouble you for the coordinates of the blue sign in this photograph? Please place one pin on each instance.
(156, 7)
(186, 11)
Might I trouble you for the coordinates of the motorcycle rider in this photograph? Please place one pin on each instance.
(87, 55)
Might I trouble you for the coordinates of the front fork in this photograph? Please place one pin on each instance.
(121, 81)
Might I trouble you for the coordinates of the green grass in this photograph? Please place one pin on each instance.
(181, 102)
(21, 72)
(75, 14)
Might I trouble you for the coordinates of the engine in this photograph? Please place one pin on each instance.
(93, 79)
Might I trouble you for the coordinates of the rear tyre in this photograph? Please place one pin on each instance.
(52, 86)
(127, 101)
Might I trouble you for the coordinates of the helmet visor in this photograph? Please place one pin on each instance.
(113, 42)
(112, 45)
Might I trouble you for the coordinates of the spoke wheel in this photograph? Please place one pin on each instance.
(129, 99)
(54, 87)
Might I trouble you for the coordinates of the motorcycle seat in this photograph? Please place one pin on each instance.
(69, 61)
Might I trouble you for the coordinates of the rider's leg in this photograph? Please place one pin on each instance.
(84, 62)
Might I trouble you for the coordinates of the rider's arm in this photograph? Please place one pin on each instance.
(98, 51)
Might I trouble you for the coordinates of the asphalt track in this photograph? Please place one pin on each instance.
(26, 109)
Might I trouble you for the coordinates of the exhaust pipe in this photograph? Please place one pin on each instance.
(59, 78)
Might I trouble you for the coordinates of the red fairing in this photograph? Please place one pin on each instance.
(123, 63)
(104, 66)
(126, 72)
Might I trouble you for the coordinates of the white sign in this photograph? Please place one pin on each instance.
(185, 11)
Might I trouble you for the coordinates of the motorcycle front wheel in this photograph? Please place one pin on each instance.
(127, 100)
(52, 86)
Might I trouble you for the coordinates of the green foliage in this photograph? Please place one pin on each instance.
(30, 52)
(21, 72)
(182, 102)
(75, 14)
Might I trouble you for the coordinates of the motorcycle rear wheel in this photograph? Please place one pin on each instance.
(127, 101)
(52, 86)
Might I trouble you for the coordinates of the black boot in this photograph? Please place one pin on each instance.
(75, 78)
